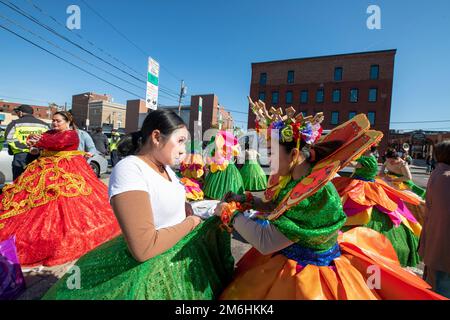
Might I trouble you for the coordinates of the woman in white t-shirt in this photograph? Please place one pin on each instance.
(159, 255)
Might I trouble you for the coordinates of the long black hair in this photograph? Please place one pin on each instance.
(164, 120)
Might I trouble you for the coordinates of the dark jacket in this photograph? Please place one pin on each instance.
(101, 142)
(434, 246)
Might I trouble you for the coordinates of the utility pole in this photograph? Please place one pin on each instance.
(183, 92)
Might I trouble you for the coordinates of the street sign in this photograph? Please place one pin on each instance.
(152, 84)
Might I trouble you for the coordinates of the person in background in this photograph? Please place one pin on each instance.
(434, 247)
(86, 143)
(432, 164)
(2, 138)
(58, 209)
(100, 141)
(399, 175)
(17, 133)
(113, 143)
(428, 161)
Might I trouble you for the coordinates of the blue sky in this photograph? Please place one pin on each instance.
(211, 45)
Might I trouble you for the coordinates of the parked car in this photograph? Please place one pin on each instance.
(98, 163)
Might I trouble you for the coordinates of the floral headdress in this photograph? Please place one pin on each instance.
(291, 127)
(226, 147)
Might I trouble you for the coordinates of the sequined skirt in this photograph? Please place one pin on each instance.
(197, 267)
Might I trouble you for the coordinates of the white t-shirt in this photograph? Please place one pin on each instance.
(167, 198)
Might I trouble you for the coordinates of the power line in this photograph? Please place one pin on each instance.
(30, 17)
(126, 38)
(64, 26)
(33, 19)
(166, 89)
(67, 52)
(426, 121)
(72, 64)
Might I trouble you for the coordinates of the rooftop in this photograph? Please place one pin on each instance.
(330, 56)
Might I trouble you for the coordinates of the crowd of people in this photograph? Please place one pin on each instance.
(314, 234)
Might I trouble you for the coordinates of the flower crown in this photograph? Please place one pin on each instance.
(291, 127)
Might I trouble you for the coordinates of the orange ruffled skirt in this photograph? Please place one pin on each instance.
(368, 269)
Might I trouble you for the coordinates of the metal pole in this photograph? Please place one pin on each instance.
(181, 96)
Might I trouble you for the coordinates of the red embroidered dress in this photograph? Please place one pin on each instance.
(58, 209)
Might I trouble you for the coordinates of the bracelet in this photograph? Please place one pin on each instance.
(229, 212)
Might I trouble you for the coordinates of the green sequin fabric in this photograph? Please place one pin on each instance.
(198, 267)
(219, 183)
(404, 241)
(315, 222)
(253, 176)
(369, 169)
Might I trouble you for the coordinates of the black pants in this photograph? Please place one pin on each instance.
(114, 158)
(20, 161)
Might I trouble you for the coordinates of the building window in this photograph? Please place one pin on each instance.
(288, 97)
(263, 79)
(337, 95)
(304, 96)
(338, 74)
(290, 78)
(334, 117)
(371, 117)
(354, 95)
(262, 96)
(373, 94)
(351, 115)
(319, 95)
(374, 72)
(275, 97)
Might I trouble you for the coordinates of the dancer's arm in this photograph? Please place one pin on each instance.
(263, 237)
(406, 173)
(134, 214)
(258, 203)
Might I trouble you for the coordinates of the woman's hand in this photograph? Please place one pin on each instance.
(219, 209)
(188, 209)
(33, 139)
(197, 220)
(88, 155)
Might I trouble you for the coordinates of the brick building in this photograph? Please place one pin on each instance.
(340, 86)
(420, 142)
(99, 109)
(42, 112)
(212, 113)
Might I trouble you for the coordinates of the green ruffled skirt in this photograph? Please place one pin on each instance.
(404, 241)
(219, 183)
(198, 267)
(253, 176)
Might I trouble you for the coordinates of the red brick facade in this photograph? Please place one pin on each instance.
(41, 112)
(311, 74)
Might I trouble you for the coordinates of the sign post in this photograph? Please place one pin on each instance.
(197, 140)
(152, 84)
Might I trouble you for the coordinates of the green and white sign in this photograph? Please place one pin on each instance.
(152, 84)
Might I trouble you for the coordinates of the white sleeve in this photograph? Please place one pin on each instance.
(126, 176)
(266, 239)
